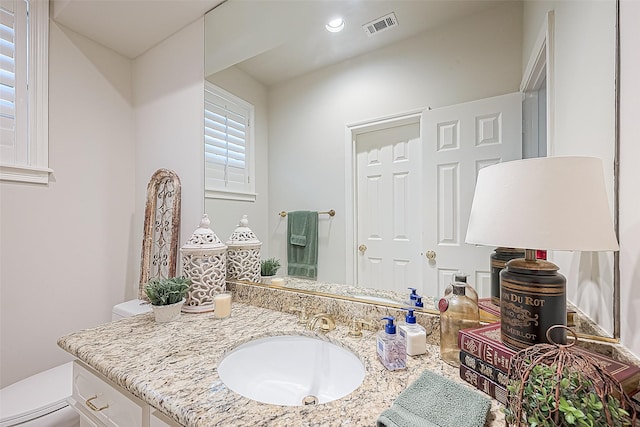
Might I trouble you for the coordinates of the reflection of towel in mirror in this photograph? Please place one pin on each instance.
(302, 244)
(435, 401)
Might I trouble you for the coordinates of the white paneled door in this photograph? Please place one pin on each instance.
(414, 188)
(458, 141)
(388, 182)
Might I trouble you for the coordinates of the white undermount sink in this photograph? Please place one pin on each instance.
(291, 370)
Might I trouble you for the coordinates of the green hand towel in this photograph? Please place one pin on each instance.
(302, 244)
(435, 401)
(298, 240)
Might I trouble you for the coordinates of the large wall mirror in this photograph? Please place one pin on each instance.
(323, 102)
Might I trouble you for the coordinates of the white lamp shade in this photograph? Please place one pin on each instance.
(554, 203)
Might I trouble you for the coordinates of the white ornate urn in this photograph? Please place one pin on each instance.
(204, 261)
(243, 255)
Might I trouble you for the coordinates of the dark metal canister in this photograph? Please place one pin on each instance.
(533, 298)
(498, 261)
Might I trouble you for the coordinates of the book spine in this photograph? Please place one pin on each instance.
(483, 384)
(498, 356)
(493, 373)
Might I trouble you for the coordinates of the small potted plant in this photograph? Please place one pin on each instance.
(565, 396)
(268, 268)
(167, 297)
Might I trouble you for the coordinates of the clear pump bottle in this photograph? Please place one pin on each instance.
(391, 347)
(458, 310)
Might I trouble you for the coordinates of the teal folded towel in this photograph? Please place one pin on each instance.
(435, 401)
(302, 244)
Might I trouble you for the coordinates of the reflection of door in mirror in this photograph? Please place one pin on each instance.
(460, 140)
(388, 165)
(457, 141)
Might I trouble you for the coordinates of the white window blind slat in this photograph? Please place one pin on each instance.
(9, 150)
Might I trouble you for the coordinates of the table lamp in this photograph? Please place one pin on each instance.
(550, 203)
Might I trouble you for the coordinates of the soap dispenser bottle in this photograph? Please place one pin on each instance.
(419, 302)
(415, 335)
(458, 310)
(391, 347)
(412, 297)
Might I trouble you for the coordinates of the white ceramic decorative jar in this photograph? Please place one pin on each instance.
(204, 261)
(243, 254)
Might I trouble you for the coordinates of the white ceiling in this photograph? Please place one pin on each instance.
(283, 39)
(130, 27)
(272, 40)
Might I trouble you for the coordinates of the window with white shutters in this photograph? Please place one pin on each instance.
(228, 145)
(24, 35)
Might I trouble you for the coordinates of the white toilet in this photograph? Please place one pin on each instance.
(41, 400)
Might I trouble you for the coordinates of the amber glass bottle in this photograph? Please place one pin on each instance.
(458, 310)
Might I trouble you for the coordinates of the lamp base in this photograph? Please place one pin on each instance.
(533, 298)
(499, 260)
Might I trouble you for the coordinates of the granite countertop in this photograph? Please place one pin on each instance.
(172, 367)
(373, 295)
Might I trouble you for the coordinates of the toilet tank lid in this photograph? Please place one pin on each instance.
(37, 395)
(131, 308)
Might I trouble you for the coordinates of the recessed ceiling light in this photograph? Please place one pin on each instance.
(335, 25)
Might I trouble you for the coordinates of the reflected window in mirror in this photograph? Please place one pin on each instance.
(228, 145)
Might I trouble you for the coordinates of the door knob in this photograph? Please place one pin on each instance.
(431, 255)
(362, 248)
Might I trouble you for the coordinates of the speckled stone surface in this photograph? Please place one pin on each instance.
(172, 366)
(344, 311)
(373, 295)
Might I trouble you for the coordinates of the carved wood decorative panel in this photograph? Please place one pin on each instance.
(161, 228)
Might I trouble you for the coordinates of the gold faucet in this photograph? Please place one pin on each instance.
(303, 317)
(323, 321)
(357, 325)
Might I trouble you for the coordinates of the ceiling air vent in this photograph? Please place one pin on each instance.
(380, 24)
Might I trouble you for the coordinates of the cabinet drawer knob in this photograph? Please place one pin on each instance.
(93, 407)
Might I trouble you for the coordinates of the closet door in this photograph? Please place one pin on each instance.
(388, 205)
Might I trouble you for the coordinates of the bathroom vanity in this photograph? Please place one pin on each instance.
(145, 373)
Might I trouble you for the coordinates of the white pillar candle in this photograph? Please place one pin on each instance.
(222, 305)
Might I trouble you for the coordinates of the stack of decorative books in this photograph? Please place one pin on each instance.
(484, 362)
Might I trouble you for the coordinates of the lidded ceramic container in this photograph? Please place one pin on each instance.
(204, 261)
(243, 254)
(499, 261)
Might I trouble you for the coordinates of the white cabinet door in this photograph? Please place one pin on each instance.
(102, 403)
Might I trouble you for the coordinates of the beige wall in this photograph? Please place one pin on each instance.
(65, 250)
(630, 175)
(168, 87)
(71, 250)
